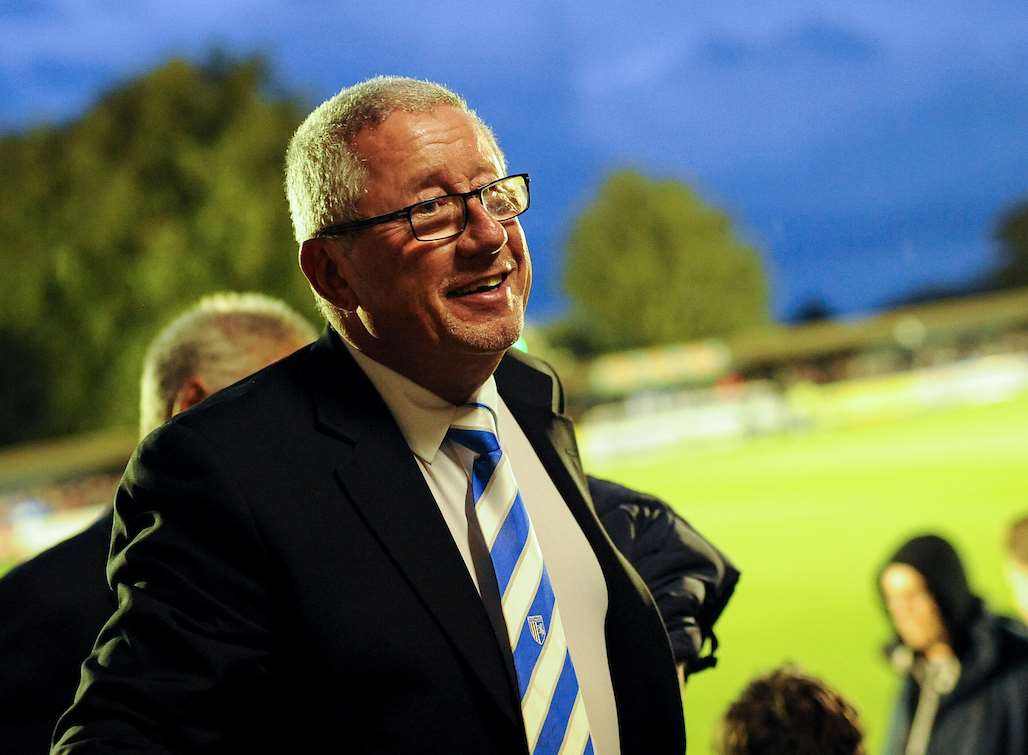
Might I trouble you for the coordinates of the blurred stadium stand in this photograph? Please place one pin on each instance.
(922, 335)
(833, 373)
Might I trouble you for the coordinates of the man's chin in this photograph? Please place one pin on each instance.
(484, 335)
(496, 339)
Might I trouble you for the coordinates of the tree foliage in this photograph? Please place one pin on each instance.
(1012, 236)
(649, 262)
(168, 188)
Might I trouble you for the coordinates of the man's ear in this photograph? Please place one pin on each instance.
(321, 261)
(192, 392)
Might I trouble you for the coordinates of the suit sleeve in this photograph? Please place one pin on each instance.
(691, 580)
(185, 654)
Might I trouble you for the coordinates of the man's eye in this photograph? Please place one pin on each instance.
(429, 208)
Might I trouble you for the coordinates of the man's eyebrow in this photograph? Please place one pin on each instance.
(444, 181)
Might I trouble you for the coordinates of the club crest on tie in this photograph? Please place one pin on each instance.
(538, 628)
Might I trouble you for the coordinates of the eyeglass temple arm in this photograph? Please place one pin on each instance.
(354, 225)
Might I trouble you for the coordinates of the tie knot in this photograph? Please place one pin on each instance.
(474, 427)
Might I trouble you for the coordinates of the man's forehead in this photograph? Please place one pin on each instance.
(443, 149)
(404, 134)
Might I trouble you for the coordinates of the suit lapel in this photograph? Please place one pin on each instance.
(634, 631)
(381, 478)
(535, 401)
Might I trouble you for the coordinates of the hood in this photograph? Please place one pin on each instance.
(938, 562)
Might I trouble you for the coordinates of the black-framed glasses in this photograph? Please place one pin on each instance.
(447, 216)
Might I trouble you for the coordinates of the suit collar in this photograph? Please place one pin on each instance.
(521, 379)
(345, 401)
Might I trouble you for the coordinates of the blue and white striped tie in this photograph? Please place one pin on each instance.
(551, 702)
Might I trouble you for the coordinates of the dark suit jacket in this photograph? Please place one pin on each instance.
(286, 583)
(51, 608)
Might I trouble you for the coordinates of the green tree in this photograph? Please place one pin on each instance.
(1012, 236)
(649, 262)
(168, 188)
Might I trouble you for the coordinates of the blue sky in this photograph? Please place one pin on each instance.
(864, 149)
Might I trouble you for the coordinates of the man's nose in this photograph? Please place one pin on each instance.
(483, 234)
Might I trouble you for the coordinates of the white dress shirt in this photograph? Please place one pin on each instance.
(575, 574)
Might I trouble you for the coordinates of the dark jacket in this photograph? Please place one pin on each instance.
(51, 609)
(690, 579)
(286, 584)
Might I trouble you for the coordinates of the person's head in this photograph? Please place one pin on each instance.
(433, 310)
(220, 339)
(925, 592)
(790, 713)
(1017, 563)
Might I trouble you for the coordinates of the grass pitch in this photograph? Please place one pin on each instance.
(809, 518)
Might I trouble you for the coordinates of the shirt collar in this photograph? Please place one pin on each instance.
(423, 417)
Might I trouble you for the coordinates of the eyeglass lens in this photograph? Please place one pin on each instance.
(444, 217)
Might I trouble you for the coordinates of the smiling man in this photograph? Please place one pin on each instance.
(435, 291)
(384, 542)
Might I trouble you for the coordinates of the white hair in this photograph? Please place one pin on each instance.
(324, 178)
(221, 339)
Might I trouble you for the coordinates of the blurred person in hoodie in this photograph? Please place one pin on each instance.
(964, 671)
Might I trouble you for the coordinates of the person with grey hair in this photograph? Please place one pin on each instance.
(54, 604)
(384, 542)
(222, 338)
